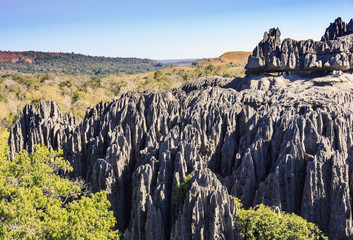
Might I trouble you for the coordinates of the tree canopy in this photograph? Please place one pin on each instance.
(71, 63)
(37, 203)
(261, 222)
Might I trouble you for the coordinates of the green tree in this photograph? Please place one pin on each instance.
(78, 95)
(210, 68)
(261, 222)
(158, 74)
(36, 203)
(160, 80)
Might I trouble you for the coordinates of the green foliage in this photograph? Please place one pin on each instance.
(262, 223)
(31, 82)
(210, 68)
(44, 77)
(182, 189)
(70, 63)
(36, 203)
(115, 87)
(161, 80)
(79, 110)
(75, 93)
(4, 147)
(79, 95)
(158, 81)
(158, 74)
(94, 82)
(69, 83)
(35, 101)
(8, 120)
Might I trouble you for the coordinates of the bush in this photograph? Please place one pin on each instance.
(35, 101)
(262, 223)
(36, 203)
(31, 82)
(79, 95)
(181, 189)
(94, 82)
(69, 83)
(116, 87)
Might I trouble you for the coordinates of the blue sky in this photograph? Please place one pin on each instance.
(160, 29)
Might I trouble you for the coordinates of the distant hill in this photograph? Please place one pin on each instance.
(234, 57)
(71, 63)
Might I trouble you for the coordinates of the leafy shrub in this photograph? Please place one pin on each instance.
(182, 188)
(158, 81)
(69, 83)
(116, 87)
(44, 77)
(158, 74)
(31, 82)
(16, 91)
(4, 147)
(36, 203)
(35, 101)
(79, 109)
(79, 95)
(95, 82)
(261, 222)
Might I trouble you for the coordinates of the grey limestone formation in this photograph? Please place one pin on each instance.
(43, 126)
(333, 52)
(284, 141)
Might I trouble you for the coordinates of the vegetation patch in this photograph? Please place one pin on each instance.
(261, 222)
(71, 63)
(182, 189)
(77, 92)
(37, 203)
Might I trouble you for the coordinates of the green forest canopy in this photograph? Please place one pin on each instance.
(71, 63)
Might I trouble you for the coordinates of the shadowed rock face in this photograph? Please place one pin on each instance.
(282, 141)
(333, 52)
(337, 29)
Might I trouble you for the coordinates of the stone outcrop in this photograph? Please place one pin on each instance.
(337, 29)
(333, 52)
(208, 210)
(284, 141)
(43, 126)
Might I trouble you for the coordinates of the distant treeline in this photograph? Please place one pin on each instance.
(70, 63)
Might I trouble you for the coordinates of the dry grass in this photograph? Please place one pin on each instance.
(235, 57)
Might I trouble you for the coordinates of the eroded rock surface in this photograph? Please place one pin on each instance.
(333, 52)
(43, 126)
(284, 141)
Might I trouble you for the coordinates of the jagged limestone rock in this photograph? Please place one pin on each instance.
(337, 29)
(208, 211)
(43, 126)
(333, 52)
(284, 141)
